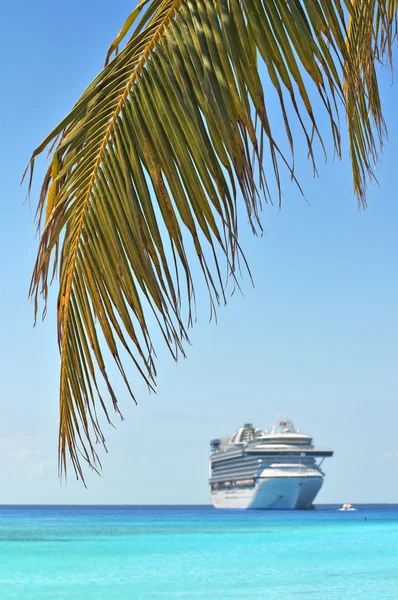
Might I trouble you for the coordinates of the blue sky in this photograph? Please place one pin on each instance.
(316, 338)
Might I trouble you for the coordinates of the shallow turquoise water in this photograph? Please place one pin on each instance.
(109, 553)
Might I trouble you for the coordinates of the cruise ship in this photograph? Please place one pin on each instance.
(280, 469)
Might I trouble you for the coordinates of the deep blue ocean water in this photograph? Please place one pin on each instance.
(169, 553)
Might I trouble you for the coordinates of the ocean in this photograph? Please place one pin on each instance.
(170, 553)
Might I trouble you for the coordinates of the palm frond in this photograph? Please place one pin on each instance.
(154, 156)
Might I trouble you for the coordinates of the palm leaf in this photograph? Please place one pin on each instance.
(151, 162)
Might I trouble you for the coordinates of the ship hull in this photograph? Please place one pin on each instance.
(290, 492)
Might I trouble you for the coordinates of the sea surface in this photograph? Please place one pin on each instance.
(169, 553)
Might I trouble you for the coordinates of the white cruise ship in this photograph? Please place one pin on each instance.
(257, 469)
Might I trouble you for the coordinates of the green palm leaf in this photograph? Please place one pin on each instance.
(155, 155)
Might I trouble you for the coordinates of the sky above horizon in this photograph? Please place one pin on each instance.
(316, 338)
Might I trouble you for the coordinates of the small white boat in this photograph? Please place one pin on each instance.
(347, 507)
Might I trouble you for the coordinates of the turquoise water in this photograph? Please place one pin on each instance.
(109, 553)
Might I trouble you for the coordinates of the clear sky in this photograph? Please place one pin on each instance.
(317, 338)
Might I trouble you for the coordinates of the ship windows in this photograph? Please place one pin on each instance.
(236, 484)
